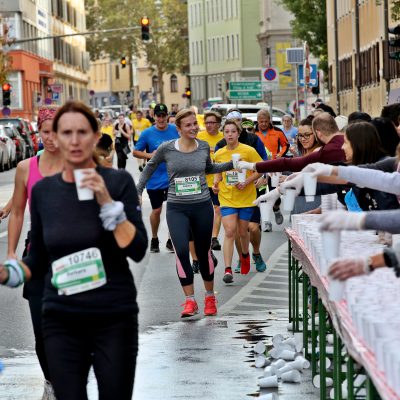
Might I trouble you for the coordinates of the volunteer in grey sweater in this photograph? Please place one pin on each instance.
(189, 206)
(362, 177)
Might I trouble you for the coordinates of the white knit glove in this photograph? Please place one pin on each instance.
(345, 268)
(319, 169)
(16, 274)
(244, 165)
(342, 220)
(293, 181)
(112, 214)
(270, 197)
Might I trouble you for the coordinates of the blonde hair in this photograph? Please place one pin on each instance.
(184, 113)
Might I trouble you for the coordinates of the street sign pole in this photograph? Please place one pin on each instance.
(297, 95)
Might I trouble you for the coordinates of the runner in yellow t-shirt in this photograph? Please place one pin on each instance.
(212, 136)
(236, 197)
(107, 127)
(139, 124)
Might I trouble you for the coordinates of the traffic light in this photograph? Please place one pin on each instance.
(6, 94)
(315, 89)
(395, 42)
(123, 62)
(145, 23)
(188, 93)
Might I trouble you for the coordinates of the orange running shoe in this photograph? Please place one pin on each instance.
(190, 309)
(210, 305)
(244, 265)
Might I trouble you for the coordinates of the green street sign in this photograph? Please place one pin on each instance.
(245, 85)
(245, 94)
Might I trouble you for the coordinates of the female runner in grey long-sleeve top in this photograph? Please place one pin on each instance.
(189, 207)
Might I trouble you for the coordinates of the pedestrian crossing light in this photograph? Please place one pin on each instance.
(395, 42)
(6, 94)
(123, 62)
(145, 23)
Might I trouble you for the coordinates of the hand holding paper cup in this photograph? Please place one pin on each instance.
(275, 178)
(84, 193)
(235, 159)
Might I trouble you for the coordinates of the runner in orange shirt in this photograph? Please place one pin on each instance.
(273, 138)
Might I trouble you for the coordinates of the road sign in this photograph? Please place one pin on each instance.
(313, 75)
(245, 85)
(270, 79)
(245, 95)
(245, 90)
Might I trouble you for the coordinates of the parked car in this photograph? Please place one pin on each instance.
(34, 136)
(23, 129)
(11, 149)
(3, 156)
(20, 144)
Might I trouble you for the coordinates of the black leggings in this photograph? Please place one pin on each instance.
(74, 343)
(197, 218)
(121, 158)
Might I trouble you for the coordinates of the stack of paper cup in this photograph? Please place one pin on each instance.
(84, 193)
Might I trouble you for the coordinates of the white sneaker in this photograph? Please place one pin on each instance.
(48, 393)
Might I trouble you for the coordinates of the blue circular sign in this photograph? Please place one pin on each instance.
(6, 111)
(47, 100)
(270, 74)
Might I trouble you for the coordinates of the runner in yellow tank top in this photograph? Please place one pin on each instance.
(236, 197)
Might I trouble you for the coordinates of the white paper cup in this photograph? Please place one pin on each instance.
(266, 214)
(275, 179)
(242, 175)
(287, 355)
(317, 383)
(310, 184)
(83, 193)
(330, 244)
(288, 199)
(298, 336)
(279, 363)
(306, 363)
(268, 371)
(235, 157)
(268, 381)
(269, 396)
(261, 361)
(291, 376)
(259, 348)
(278, 338)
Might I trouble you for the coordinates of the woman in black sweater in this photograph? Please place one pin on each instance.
(81, 247)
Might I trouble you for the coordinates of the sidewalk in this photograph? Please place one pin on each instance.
(204, 358)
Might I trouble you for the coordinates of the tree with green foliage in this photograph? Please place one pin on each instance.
(167, 50)
(309, 24)
(395, 10)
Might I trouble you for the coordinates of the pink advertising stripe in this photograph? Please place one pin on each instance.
(211, 262)
(181, 271)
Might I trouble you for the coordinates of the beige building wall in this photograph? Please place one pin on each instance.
(373, 94)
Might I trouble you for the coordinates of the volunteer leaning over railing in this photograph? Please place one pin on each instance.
(80, 247)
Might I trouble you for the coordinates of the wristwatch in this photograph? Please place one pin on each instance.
(368, 265)
(391, 260)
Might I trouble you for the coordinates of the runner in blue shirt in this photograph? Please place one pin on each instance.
(157, 185)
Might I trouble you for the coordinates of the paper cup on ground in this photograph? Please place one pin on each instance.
(291, 376)
(278, 338)
(298, 336)
(287, 355)
(330, 244)
(290, 341)
(279, 363)
(275, 179)
(288, 199)
(259, 348)
(269, 396)
(260, 362)
(317, 383)
(268, 371)
(310, 185)
(268, 382)
(83, 193)
(306, 363)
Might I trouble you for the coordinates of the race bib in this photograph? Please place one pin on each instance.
(187, 186)
(232, 177)
(78, 272)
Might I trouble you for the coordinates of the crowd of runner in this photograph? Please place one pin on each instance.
(81, 293)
